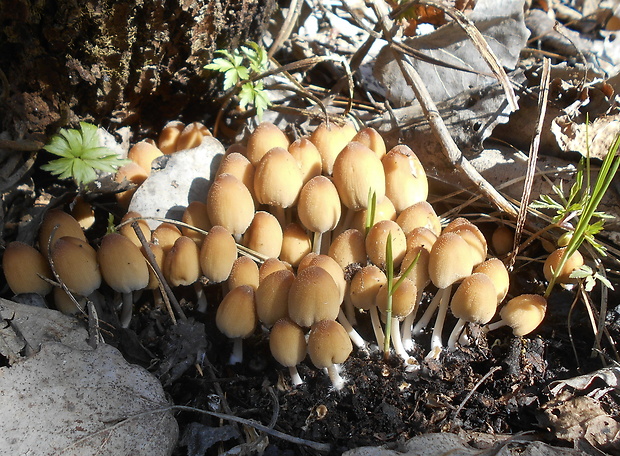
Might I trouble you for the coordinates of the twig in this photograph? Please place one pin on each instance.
(476, 386)
(294, 10)
(532, 160)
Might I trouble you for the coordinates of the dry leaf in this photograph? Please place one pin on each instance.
(600, 134)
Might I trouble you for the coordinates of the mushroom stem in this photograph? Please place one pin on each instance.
(316, 243)
(236, 357)
(493, 326)
(407, 327)
(436, 344)
(126, 310)
(279, 213)
(335, 377)
(397, 341)
(456, 332)
(464, 339)
(427, 315)
(295, 378)
(349, 308)
(201, 299)
(353, 334)
(376, 325)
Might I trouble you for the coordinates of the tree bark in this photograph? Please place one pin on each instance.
(114, 63)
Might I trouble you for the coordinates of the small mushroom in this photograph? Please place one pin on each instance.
(523, 313)
(182, 262)
(196, 215)
(472, 235)
(502, 240)
(128, 231)
(236, 319)
(328, 346)
(308, 158)
(272, 265)
(272, 297)
(420, 214)
(376, 242)
(329, 139)
(296, 244)
(348, 248)
(124, 269)
(319, 208)
(240, 167)
(133, 174)
(67, 226)
(244, 272)
(75, 262)
(265, 137)
(264, 235)
(230, 204)
(169, 136)
(165, 235)
(384, 210)
(552, 263)
(405, 178)
(288, 346)
(372, 139)
(191, 136)
(143, 153)
(365, 286)
(25, 268)
(404, 303)
(217, 254)
(313, 296)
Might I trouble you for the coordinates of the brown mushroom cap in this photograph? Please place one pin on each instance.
(553, 262)
(278, 179)
(196, 215)
(67, 226)
(365, 286)
(472, 235)
(331, 266)
(384, 210)
(158, 253)
(230, 204)
(169, 135)
(328, 344)
(372, 139)
(296, 244)
(128, 231)
(405, 179)
(182, 263)
(272, 265)
(264, 235)
(287, 342)
(134, 174)
(496, 270)
(419, 244)
(23, 267)
(450, 260)
(240, 167)
(64, 303)
(82, 211)
(143, 153)
(122, 264)
(272, 296)
(308, 158)
(357, 173)
(475, 299)
(330, 139)
(266, 136)
(524, 313)
(165, 235)
(191, 136)
(313, 296)
(349, 247)
(244, 272)
(217, 254)
(376, 242)
(236, 314)
(76, 264)
(404, 299)
(502, 240)
(319, 207)
(420, 214)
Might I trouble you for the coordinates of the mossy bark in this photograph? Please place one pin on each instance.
(114, 63)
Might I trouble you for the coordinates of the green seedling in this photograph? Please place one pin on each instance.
(240, 67)
(581, 204)
(80, 155)
(371, 211)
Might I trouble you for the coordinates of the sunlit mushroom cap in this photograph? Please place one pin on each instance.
(328, 344)
(404, 299)
(128, 231)
(169, 135)
(365, 286)
(376, 242)
(134, 174)
(420, 214)
(244, 272)
(384, 210)
(502, 240)
(230, 204)
(240, 167)
(196, 215)
(496, 270)
(191, 136)
(475, 299)
(143, 153)
(553, 262)
(264, 235)
(296, 244)
(272, 296)
(450, 260)
(472, 235)
(265, 137)
(158, 254)
(319, 205)
(524, 313)
(182, 262)
(75, 262)
(165, 235)
(122, 264)
(330, 139)
(313, 296)
(67, 226)
(236, 314)
(419, 244)
(357, 173)
(372, 139)
(348, 247)
(272, 265)
(405, 178)
(23, 267)
(308, 158)
(217, 254)
(331, 266)
(287, 342)
(278, 179)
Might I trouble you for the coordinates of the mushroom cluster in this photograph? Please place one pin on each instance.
(324, 218)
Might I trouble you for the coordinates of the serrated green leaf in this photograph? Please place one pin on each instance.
(221, 65)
